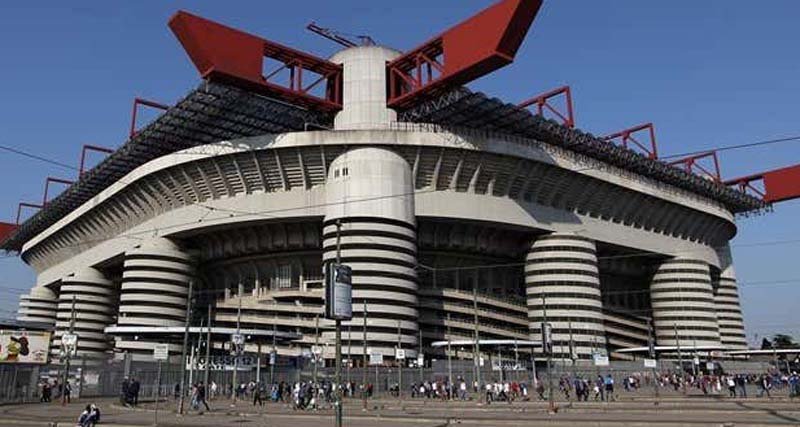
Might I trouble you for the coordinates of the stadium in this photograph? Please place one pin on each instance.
(464, 218)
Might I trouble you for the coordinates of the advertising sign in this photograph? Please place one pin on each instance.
(650, 363)
(161, 352)
(399, 354)
(600, 359)
(224, 363)
(547, 338)
(338, 292)
(376, 358)
(24, 346)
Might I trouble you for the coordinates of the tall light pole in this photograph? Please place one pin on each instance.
(399, 362)
(680, 356)
(236, 349)
(187, 321)
(652, 352)
(477, 355)
(549, 349)
(68, 355)
(316, 348)
(208, 348)
(449, 355)
(273, 357)
(364, 363)
(349, 352)
(338, 379)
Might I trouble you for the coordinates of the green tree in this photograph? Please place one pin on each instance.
(780, 341)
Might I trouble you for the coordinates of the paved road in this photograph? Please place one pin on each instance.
(390, 413)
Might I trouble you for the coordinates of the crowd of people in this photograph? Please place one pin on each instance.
(49, 386)
(129, 392)
(309, 395)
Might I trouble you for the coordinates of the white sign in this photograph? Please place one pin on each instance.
(696, 360)
(272, 357)
(69, 340)
(316, 350)
(400, 354)
(480, 361)
(237, 339)
(650, 363)
(161, 352)
(506, 365)
(600, 359)
(376, 359)
(224, 363)
(420, 360)
(710, 366)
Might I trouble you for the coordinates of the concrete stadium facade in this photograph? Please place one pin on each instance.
(451, 233)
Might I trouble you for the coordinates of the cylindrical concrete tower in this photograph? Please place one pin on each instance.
(39, 305)
(155, 274)
(726, 303)
(364, 91)
(370, 192)
(561, 271)
(95, 305)
(155, 281)
(682, 299)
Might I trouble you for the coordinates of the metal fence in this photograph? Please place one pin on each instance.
(22, 383)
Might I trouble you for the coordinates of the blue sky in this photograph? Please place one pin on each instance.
(707, 73)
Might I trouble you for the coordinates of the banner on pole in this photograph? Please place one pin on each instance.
(338, 291)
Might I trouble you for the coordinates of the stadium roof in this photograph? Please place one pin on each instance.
(215, 112)
(464, 108)
(209, 113)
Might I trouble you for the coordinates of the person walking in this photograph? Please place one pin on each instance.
(123, 391)
(258, 394)
(609, 383)
(731, 382)
(764, 385)
(201, 396)
(67, 392)
(135, 388)
(45, 392)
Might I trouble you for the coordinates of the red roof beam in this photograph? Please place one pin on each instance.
(692, 164)
(47, 186)
(779, 184)
(224, 54)
(542, 104)
(86, 148)
(146, 103)
(473, 48)
(26, 205)
(627, 138)
(6, 229)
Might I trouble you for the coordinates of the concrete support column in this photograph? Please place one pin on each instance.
(155, 282)
(39, 305)
(95, 305)
(562, 268)
(370, 192)
(726, 303)
(682, 297)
